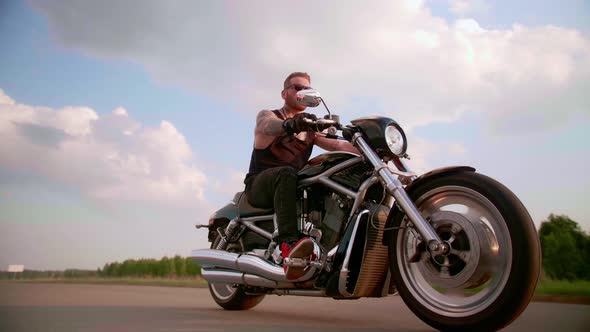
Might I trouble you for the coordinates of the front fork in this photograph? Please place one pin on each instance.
(395, 188)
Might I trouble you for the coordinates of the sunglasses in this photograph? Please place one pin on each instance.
(298, 87)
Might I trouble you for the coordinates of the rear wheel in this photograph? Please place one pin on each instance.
(488, 277)
(230, 296)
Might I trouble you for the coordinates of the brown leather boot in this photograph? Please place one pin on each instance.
(302, 249)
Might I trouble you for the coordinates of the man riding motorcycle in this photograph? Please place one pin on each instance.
(283, 142)
(460, 247)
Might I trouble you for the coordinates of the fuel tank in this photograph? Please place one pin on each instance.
(323, 162)
(351, 177)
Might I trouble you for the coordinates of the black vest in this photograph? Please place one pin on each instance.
(285, 150)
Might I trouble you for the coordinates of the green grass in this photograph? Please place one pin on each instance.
(168, 282)
(562, 287)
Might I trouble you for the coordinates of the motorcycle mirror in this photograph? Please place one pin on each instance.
(308, 97)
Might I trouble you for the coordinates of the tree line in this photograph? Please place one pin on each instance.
(566, 249)
(165, 267)
(50, 274)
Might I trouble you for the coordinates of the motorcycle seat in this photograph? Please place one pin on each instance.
(246, 209)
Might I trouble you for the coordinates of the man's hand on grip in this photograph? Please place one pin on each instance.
(298, 124)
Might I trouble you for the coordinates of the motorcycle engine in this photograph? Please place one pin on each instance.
(329, 216)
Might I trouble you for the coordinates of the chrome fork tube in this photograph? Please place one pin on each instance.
(395, 188)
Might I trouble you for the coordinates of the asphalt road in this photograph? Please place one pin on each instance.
(62, 307)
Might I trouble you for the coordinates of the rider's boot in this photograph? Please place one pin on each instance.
(302, 249)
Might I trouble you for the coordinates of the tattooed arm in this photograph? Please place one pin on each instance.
(268, 127)
(269, 124)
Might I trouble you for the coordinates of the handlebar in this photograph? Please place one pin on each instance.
(323, 122)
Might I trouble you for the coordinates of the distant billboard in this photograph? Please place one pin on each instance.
(16, 268)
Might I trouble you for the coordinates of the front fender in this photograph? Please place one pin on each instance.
(436, 173)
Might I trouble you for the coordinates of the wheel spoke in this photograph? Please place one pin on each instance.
(447, 263)
(462, 254)
(451, 239)
(444, 272)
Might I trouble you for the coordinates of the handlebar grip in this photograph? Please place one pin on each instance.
(322, 124)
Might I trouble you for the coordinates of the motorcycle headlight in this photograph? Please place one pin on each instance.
(396, 140)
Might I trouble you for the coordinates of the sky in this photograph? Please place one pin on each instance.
(125, 123)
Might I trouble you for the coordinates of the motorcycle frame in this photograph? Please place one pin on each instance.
(322, 178)
(394, 189)
(249, 223)
(382, 174)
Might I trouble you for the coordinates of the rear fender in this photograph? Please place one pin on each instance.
(436, 173)
(223, 216)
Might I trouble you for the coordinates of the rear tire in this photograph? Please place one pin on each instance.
(489, 277)
(232, 297)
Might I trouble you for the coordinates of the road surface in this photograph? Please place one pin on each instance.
(69, 307)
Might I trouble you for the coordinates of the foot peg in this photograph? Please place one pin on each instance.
(301, 262)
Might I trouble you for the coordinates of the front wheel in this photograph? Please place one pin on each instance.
(488, 277)
(232, 297)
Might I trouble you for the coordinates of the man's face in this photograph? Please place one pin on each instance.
(289, 94)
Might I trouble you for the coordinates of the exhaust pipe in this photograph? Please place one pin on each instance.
(248, 264)
(234, 277)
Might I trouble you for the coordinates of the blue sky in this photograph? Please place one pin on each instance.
(126, 125)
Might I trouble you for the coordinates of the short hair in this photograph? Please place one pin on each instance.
(295, 74)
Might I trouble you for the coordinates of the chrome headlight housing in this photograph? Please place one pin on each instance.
(396, 139)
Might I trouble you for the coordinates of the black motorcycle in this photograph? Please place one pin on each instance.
(459, 247)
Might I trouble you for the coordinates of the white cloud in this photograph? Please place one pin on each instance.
(418, 67)
(460, 6)
(4, 99)
(427, 155)
(464, 7)
(413, 5)
(230, 183)
(120, 111)
(112, 157)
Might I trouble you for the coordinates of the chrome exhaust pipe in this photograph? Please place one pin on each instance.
(234, 277)
(212, 259)
(300, 292)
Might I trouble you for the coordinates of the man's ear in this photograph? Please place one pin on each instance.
(284, 94)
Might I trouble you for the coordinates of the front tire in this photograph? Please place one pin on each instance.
(232, 297)
(489, 276)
